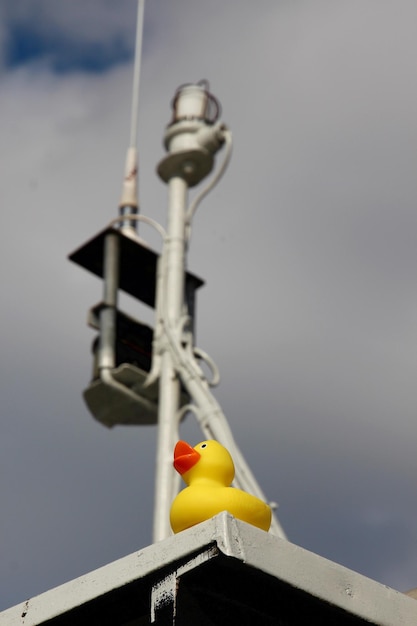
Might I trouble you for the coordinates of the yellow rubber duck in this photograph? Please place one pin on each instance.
(208, 470)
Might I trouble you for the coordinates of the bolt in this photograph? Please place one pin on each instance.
(188, 168)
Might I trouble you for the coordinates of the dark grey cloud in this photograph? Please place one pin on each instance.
(308, 247)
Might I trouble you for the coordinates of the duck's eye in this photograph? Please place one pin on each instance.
(204, 445)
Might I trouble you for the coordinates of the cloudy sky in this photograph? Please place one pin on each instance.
(308, 248)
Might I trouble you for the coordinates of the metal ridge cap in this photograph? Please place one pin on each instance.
(288, 563)
(326, 580)
(137, 565)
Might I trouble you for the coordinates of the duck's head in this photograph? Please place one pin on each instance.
(207, 461)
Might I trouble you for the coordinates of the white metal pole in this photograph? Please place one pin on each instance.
(107, 316)
(173, 263)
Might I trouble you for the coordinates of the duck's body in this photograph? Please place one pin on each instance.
(208, 471)
(198, 503)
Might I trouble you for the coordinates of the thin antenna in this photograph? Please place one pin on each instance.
(129, 199)
(136, 74)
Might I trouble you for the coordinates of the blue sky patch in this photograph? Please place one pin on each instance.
(26, 45)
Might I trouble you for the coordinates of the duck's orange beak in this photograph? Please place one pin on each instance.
(185, 457)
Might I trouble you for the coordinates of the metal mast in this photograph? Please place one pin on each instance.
(192, 139)
(158, 378)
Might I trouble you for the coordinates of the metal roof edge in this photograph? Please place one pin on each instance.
(223, 534)
(326, 580)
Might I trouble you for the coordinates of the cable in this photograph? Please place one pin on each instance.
(213, 182)
(142, 218)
